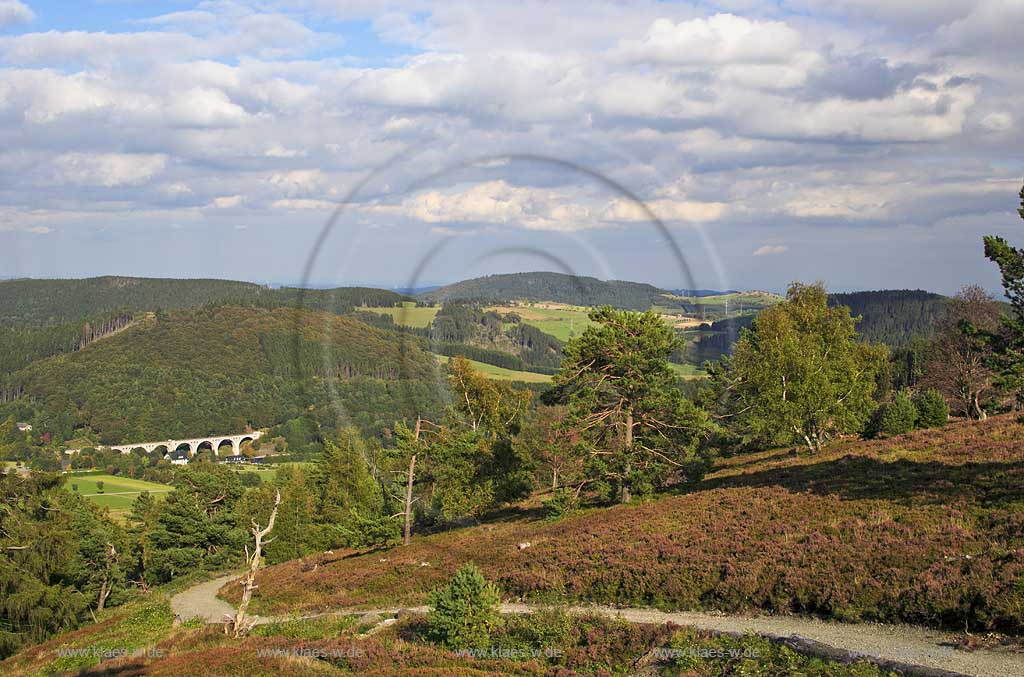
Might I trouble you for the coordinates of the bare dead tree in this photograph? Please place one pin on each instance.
(238, 626)
(107, 584)
(958, 366)
(410, 476)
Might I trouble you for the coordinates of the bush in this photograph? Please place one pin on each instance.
(898, 416)
(561, 504)
(465, 611)
(932, 410)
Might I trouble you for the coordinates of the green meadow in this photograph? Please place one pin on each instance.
(118, 492)
(558, 320)
(503, 374)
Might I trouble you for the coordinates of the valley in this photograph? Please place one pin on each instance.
(480, 413)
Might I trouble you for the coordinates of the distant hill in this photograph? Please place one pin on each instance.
(48, 302)
(700, 293)
(893, 316)
(556, 287)
(207, 370)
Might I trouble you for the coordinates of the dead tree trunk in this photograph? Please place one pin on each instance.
(238, 625)
(407, 533)
(107, 585)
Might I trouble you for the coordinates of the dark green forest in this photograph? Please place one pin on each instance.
(894, 317)
(47, 302)
(200, 371)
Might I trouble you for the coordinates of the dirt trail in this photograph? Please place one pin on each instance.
(903, 644)
(201, 600)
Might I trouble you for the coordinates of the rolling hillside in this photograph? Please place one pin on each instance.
(923, 528)
(47, 302)
(194, 372)
(893, 316)
(557, 287)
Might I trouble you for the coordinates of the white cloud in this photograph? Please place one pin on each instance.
(496, 202)
(227, 201)
(768, 250)
(109, 169)
(14, 12)
(278, 151)
(718, 39)
(203, 107)
(298, 182)
(665, 209)
(880, 112)
(1000, 121)
(304, 204)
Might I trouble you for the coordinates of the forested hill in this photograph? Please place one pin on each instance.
(49, 302)
(555, 287)
(893, 316)
(200, 371)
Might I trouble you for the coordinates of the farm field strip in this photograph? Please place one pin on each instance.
(503, 374)
(558, 320)
(409, 316)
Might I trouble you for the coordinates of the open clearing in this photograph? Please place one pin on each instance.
(407, 315)
(118, 492)
(688, 371)
(503, 374)
(557, 319)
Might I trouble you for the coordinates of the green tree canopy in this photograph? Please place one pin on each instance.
(1008, 343)
(800, 374)
(624, 399)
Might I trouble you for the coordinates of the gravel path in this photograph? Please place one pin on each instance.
(890, 644)
(201, 600)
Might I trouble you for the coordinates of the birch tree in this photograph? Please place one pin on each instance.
(800, 374)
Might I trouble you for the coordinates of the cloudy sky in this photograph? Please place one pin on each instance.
(866, 143)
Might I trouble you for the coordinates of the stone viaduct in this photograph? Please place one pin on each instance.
(193, 444)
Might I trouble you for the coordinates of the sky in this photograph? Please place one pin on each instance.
(744, 144)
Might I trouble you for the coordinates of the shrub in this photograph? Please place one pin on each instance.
(561, 504)
(99, 486)
(932, 410)
(465, 611)
(898, 416)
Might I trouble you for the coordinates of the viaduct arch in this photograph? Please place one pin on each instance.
(215, 441)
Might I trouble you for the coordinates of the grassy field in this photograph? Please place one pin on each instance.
(715, 307)
(266, 475)
(118, 492)
(557, 319)
(564, 321)
(503, 374)
(408, 315)
(688, 371)
(925, 528)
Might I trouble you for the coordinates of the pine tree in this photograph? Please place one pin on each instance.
(932, 410)
(898, 416)
(465, 612)
(346, 489)
(624, 398)
(1008, 344)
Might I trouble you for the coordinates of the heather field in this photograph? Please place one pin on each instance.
(925, 528)
(141, 639)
